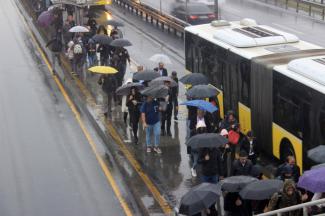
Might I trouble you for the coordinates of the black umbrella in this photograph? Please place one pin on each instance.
(160, 91)
(199, 198)
(202, 91)
(236, 183)
(120, 43)
(207, 140)
(114, 23)
(317, 154)
(261, 190)
(146, 75)
(126, 89)
(318, 166)
(102, 39)
(194, 79)
(162, 80)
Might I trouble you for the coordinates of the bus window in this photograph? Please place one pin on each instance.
(244, 83)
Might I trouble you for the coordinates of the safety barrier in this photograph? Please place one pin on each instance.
(153, 16)
(303, 207)
(311, 8)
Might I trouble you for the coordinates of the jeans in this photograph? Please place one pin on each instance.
(92, 60)
(156, 132)
(210, 179)
(195, 154)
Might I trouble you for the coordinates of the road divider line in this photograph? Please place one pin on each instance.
(74, 110)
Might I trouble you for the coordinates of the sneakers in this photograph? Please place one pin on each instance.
(193, 172)
(157, 150)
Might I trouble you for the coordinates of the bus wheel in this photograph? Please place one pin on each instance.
(286, 149)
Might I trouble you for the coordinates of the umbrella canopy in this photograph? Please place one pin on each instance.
(77, 29)
(160, 58)
(114, 23)
(202, 105)
(102, 39)
(317, 154)
(206, 140)
(160, 91)
(199, 198)
(318, 166)
(45, 18)
(194, 79)
(261, 190)
(126, 89)
(202, 91)
(236, 183)
(147, 75)
(162, 80)
(120, 43)
(103, 70)
(313, 180)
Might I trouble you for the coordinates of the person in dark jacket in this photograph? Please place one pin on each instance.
(109, 85)
(235, 206)
(56, 47)
(200, 128)
(289, 196)
(249, 144)
(211, 165)
(289, 169)
(166, 114)
(242, 166)
(134, 104)
(175, 91)
(161, 69)
(200, 116)
(229, 121)
(120, 59)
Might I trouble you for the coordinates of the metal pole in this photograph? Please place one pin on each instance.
(186, 8)
(216, 9)
(160, 7)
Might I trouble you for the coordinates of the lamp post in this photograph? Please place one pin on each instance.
(186, 10)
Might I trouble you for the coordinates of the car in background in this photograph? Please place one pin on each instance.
(193, 13)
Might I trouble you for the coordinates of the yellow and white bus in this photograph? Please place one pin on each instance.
(271, 79)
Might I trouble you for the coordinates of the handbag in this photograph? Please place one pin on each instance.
(163, 105)
(233, 137)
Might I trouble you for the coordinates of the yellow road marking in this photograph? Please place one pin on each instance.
(100, 160)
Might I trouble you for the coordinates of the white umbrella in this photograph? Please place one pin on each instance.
(77, 29)
(160, 58)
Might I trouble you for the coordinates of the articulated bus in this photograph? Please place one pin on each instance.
(271, 79)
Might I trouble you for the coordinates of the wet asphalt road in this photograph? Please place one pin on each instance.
(47, 166)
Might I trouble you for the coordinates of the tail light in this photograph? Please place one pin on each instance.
(211, 16)
(193, 17)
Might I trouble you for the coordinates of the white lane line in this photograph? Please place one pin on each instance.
(288, 28)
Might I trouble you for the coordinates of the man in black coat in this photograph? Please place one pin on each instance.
(249, 144)
(211, 165)
(289, 168)
(242, 166)
(200, 116)
(161, 69)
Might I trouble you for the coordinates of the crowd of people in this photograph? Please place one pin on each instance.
(238, 157)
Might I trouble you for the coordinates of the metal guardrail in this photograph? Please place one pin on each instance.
(312, 8)
(155, 17)
(303, 206)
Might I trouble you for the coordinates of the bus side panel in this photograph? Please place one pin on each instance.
(244, 118)
(261, 105)
(279, 134)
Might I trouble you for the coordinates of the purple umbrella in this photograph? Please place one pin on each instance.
(313, 180)
(45, 19)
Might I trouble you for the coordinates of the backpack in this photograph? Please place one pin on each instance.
(233, 137)
(77, 49)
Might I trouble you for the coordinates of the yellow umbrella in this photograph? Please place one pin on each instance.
(103, 70)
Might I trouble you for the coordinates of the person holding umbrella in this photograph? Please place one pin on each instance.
(151, 122)
(200, 117)
(56, 46)
(175, 91)
(161, 69)
(133, 104)
(109, 85)
(166, 112)
(119, 60)
(211, 165)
